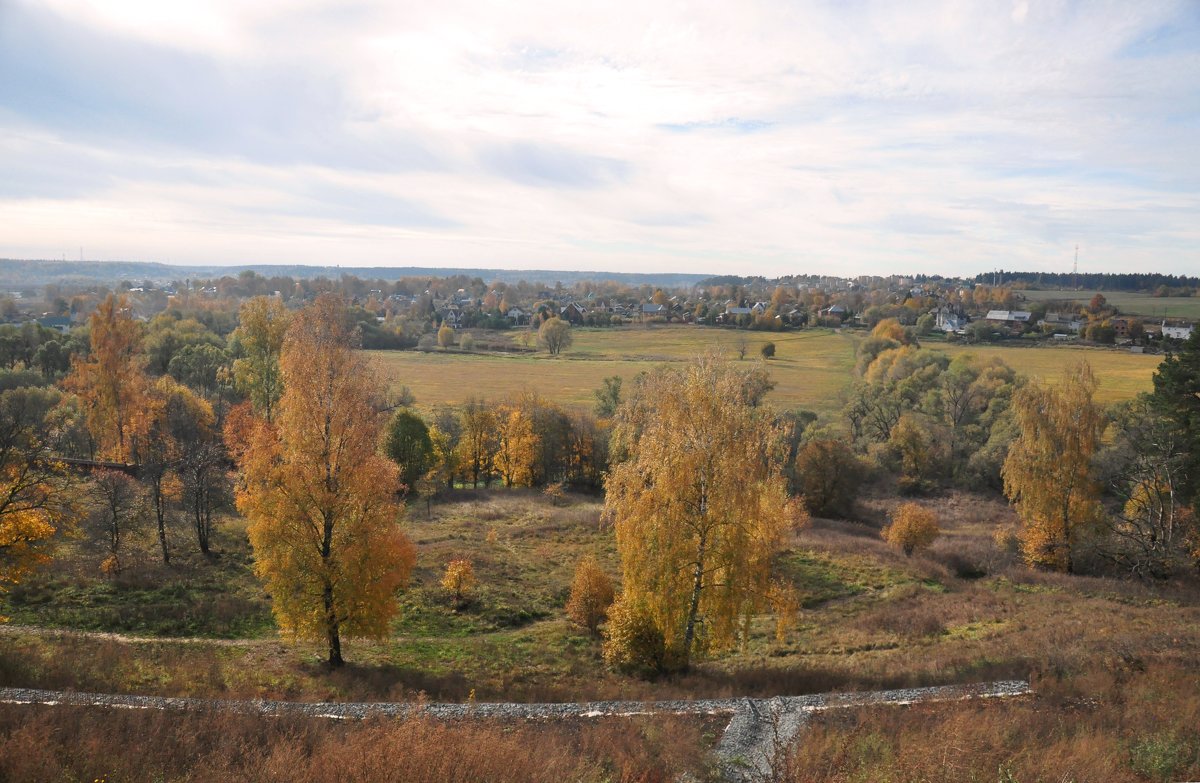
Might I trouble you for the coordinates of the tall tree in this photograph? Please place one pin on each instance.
(516, 446)
(263, 322)
(324, 521)
(1177, 396)
(1048, 473)
(700, 505)
(112, 382)
(407, 443)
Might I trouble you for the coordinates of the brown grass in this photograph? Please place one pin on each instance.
(88, 744)
(1110, 724)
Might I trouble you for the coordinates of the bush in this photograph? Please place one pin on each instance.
(633, 643)
(591, 595)
(459, 579)
(467, 343)
(445, 336)
(829, 475)
(768, 351)
(913, 527)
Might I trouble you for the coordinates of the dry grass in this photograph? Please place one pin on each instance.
(87, 744)
(1117, 723)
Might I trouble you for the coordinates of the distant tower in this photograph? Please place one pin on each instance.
(1075, 270)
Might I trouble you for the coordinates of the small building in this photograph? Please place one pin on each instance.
(1177, 332)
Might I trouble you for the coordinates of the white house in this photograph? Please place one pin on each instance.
(1177, 332)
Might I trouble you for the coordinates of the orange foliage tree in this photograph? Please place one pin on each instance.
(112, 383)
(324, 520)
(1048, 471)
(913, 527)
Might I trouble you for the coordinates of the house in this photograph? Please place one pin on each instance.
(1066, 321)
(735, 311)
(518, 316)
(1177, 332)
(573, 313)
(946, 320)
(59, 323)
(650, 310)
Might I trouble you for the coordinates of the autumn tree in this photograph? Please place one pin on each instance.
(112, 383)
(555, 335)
(445, 336)
(262, 324)
(1048, 472)
(913, 527)
(828, 474)
(319, 496)
(699, 505)
(459, 580)
(180, 423)
(591, 595)
(35, 493)
(516, 446)
(118, 506)
(476, 446)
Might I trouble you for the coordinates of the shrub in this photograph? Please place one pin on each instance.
(913, 527)
(768, 351)
(445, 336)
(591, 595)
(467, 343)
(633, 643)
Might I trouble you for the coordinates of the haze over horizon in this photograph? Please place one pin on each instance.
(771, 138)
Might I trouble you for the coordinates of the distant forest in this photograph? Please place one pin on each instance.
(1131, 281)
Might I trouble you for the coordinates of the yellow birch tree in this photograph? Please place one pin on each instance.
(319, 495)
(699, 504)
(1048, 471)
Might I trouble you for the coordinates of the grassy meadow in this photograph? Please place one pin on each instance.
(868, 618)
(811, 367)
(1128, 302)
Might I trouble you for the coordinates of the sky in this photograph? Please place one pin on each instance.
(843, 137)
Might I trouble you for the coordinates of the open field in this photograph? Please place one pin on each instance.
(1122, 375)
(811, 369)
(869, 619)
(1112, 662)
(1128, 302)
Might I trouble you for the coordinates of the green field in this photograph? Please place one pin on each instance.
(1122, 375)
(1127, 302)
(811, 367)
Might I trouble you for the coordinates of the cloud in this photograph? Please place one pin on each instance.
(771, 137)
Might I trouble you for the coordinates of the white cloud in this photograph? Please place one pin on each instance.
(769, 137)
